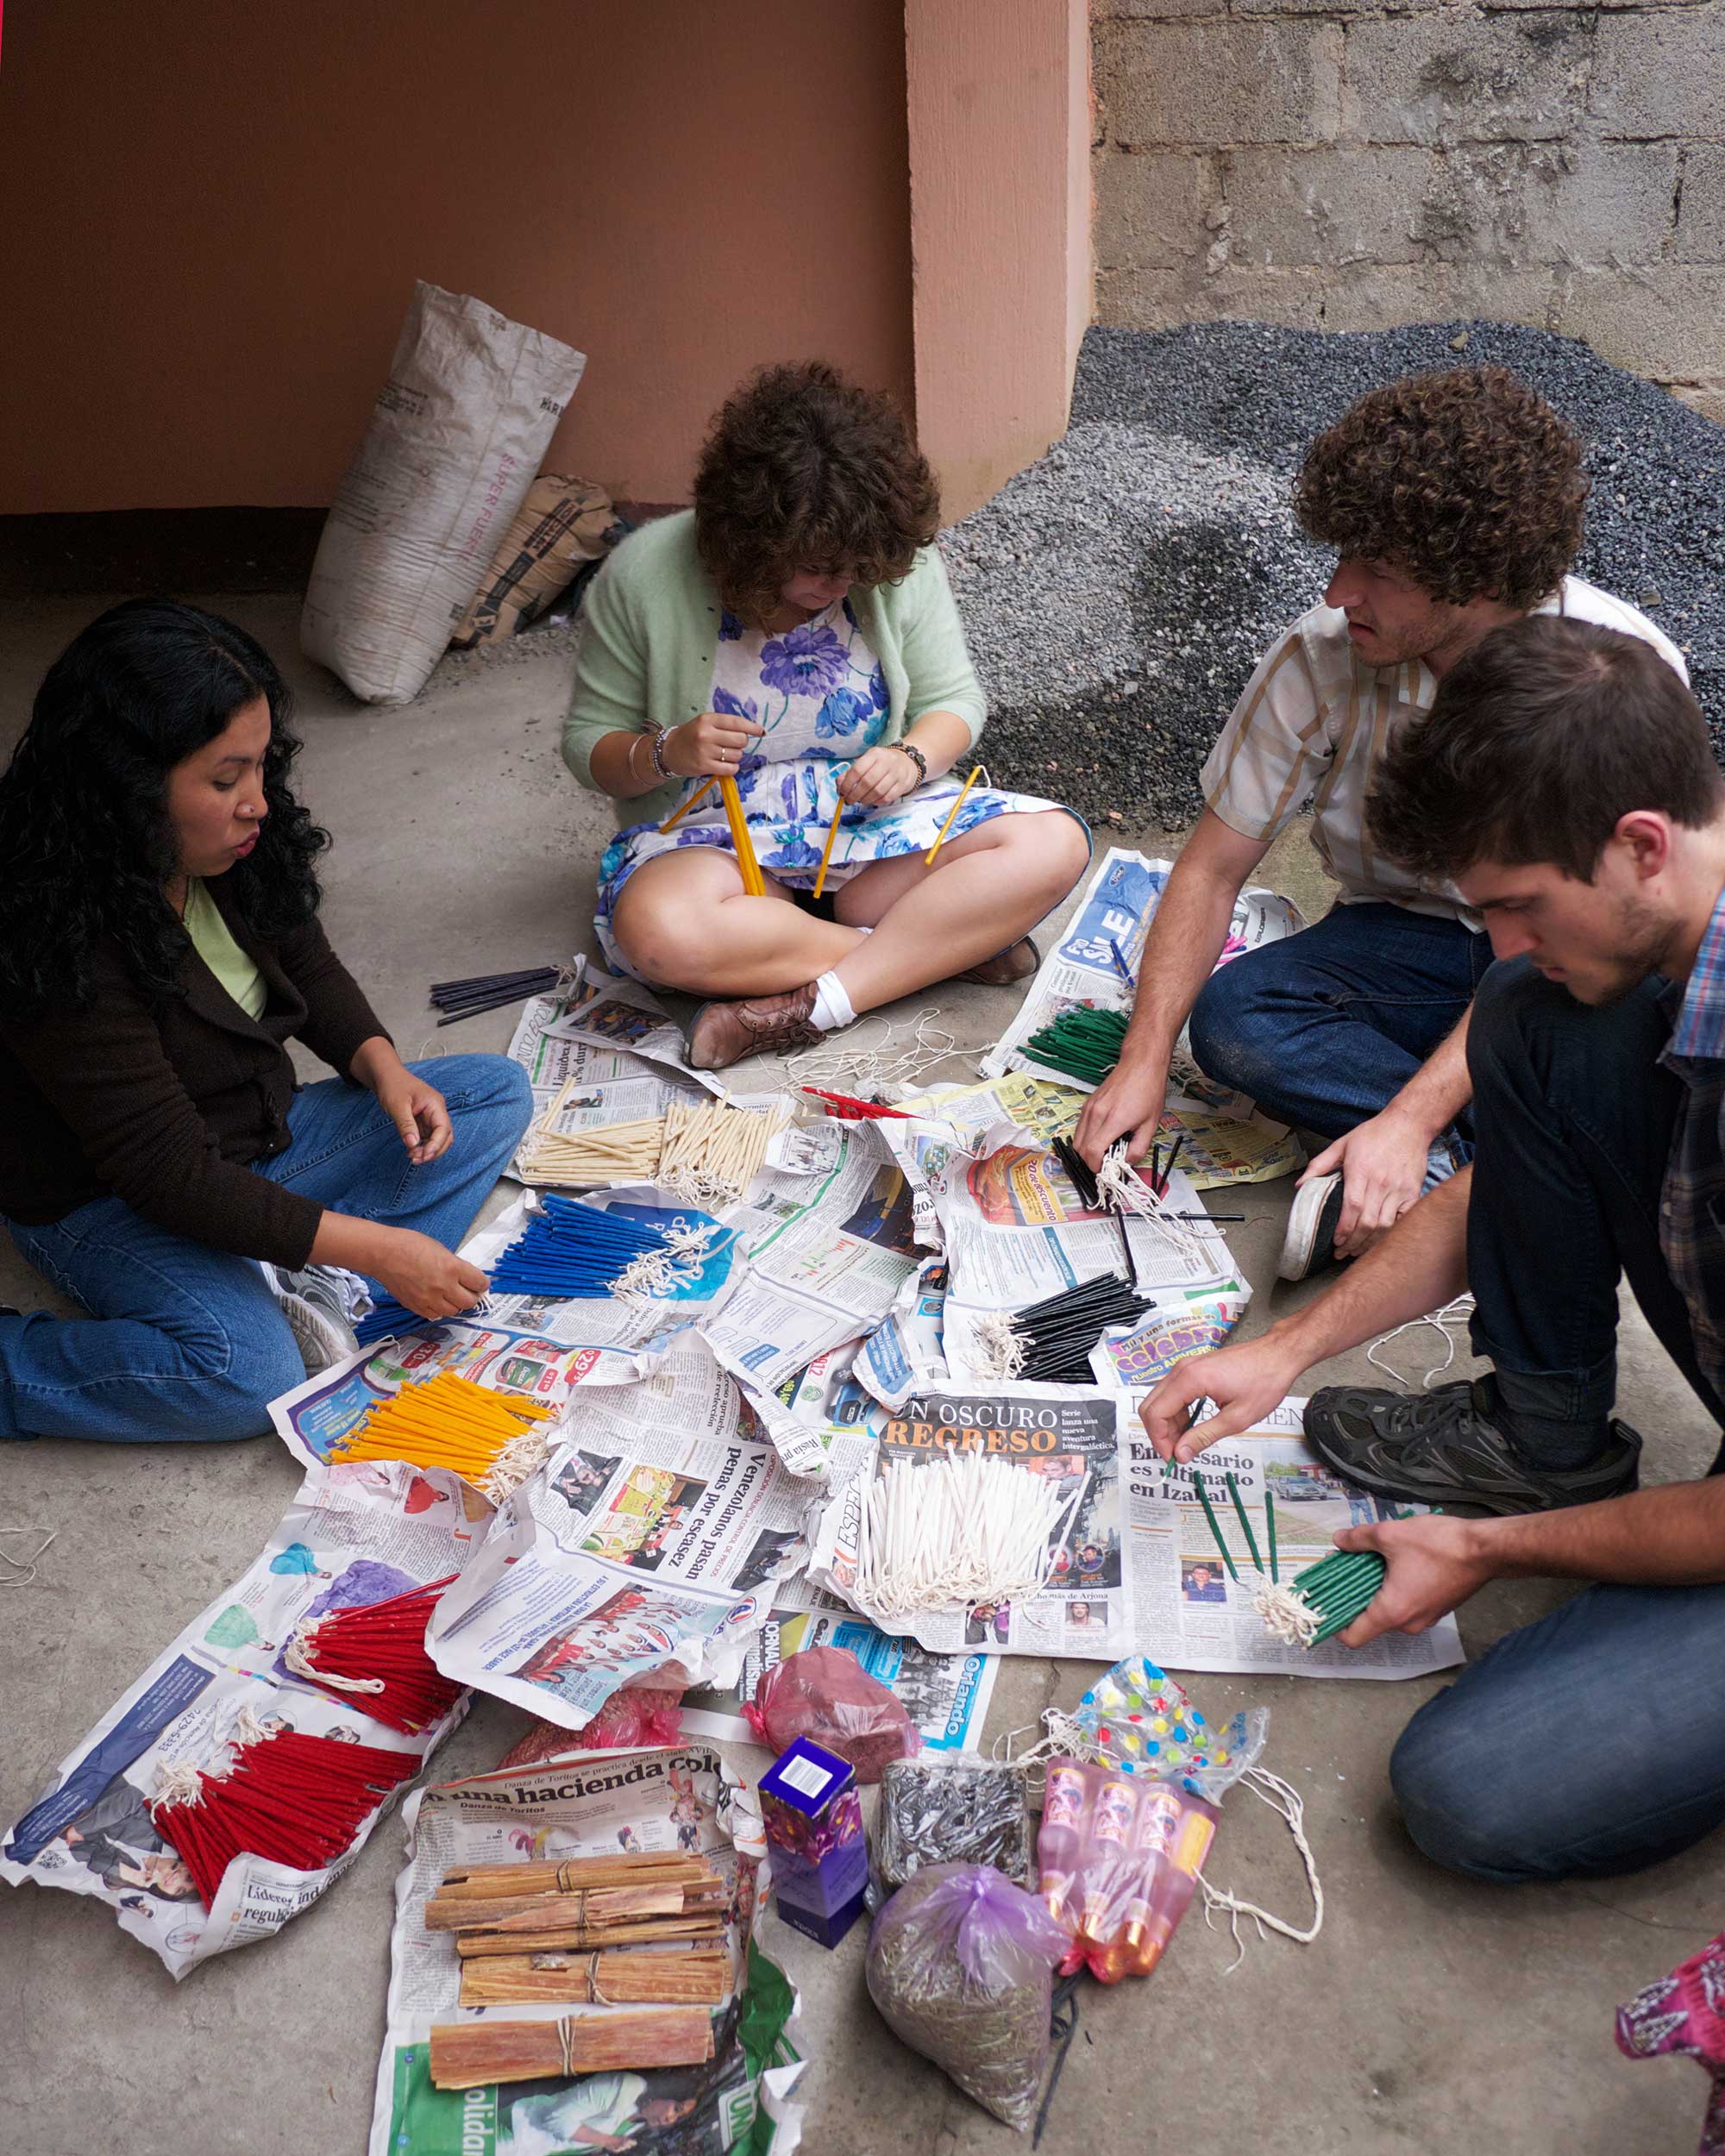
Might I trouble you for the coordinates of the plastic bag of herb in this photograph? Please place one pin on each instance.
(959, 1965)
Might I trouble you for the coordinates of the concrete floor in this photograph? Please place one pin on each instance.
(1430, 2014)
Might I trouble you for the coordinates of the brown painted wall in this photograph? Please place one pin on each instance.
(999, 102)
(214, 214)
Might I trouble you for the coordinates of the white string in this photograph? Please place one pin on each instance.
(25, 1572)
(1280, 1796)
(520, 1457)
(1000, 1347)
(1124, 1190)
(298, 1656)
(654, 1276)
(867, 1069)
(1456, 1312)
(1287, 1616)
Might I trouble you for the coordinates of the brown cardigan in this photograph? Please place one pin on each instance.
(164, 1104)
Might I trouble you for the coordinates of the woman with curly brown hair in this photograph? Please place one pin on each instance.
(1454, 504)
(794, 632)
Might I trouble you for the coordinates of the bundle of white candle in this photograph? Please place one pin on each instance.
(963, 1529)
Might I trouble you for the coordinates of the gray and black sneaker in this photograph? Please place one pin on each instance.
(1310, 1242)
(1444, 1448)
(316, 1301)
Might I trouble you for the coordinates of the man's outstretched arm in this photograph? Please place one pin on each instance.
(1418, 1266)
(1180, 954)
(1673, 1537)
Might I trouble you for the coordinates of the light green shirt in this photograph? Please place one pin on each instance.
(650, 629)
(213, 941)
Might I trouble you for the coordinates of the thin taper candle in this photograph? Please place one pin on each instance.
(940, 836)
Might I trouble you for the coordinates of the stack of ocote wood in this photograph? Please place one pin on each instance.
(589, 1931)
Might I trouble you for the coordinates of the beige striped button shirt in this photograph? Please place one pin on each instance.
(1315, 719)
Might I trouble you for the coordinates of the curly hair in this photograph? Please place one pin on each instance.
(1468, 480)
(84, 831)
(1539, 740)
(803, 470)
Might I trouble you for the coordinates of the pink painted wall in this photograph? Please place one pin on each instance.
(214, 214)
(999, 133)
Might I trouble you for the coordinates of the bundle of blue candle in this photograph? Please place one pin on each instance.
(572, 1249)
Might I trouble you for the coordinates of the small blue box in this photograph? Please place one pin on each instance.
(814, 1818)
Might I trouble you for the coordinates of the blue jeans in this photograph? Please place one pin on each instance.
(186, 1341)
(1324, 1029)
(1592, 1742)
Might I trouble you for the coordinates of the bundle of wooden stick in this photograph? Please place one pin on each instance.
(534, 1932)
(476, 2054)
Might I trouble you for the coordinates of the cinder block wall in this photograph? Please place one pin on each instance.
(1346, 164)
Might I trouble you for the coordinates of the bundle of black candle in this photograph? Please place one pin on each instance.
(1059, 1332)
(459, 999)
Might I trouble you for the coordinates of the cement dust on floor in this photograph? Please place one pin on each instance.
(1430, 2014)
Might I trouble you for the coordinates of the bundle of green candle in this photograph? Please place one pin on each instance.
(1324, 1599)
(1083, 1044)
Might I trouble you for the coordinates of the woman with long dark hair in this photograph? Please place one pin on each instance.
(794, 633)
(159, 943)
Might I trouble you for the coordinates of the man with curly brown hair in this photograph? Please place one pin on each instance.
(1454, 504)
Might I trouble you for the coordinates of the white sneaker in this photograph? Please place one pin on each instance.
(315, 1302)
(1310, 1242)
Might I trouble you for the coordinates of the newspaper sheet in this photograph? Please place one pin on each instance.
(351, 1535)
(946, 1695)
(1066, 1433)
(313, 1419)
(1095, 961)
(1190, 1614)
(646, 1543)
(588, 1803)
(825, 1261)
(622, 1013)
(1137, 1569)
(1015, 1231)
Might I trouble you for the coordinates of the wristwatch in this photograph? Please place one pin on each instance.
(916, 757)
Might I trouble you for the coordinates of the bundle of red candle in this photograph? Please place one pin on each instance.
(293, 1799)
(374, 1653)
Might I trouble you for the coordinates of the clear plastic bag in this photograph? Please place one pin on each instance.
(959, 1965)
(825, 1695)
(952, 1807)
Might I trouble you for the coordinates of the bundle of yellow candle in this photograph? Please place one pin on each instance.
(492, 1440)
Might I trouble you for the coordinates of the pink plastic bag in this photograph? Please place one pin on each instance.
(825, 1695)
(960, 1964)
(628, 1720)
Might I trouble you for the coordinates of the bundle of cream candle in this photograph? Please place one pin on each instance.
(959, 1530)
(705, 1153)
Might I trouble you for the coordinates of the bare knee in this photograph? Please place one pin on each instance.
(1050, 850)
(674, 944)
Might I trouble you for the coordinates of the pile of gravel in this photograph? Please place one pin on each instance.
(1119, 592)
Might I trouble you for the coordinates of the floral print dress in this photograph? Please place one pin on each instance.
(820, 692)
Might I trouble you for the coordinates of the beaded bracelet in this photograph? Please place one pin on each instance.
(916, 757)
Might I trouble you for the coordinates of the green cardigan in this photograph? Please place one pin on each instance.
(650, 629)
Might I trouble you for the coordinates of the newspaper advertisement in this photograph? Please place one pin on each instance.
(1095, 961)
(685, 1798)
(350, 1538)
(906, 1351)
(646, 1543)
(946, 1695)
(1066, 1433)
(1192, 1611)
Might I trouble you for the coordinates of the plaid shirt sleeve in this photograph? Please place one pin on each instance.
(1274, 748)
